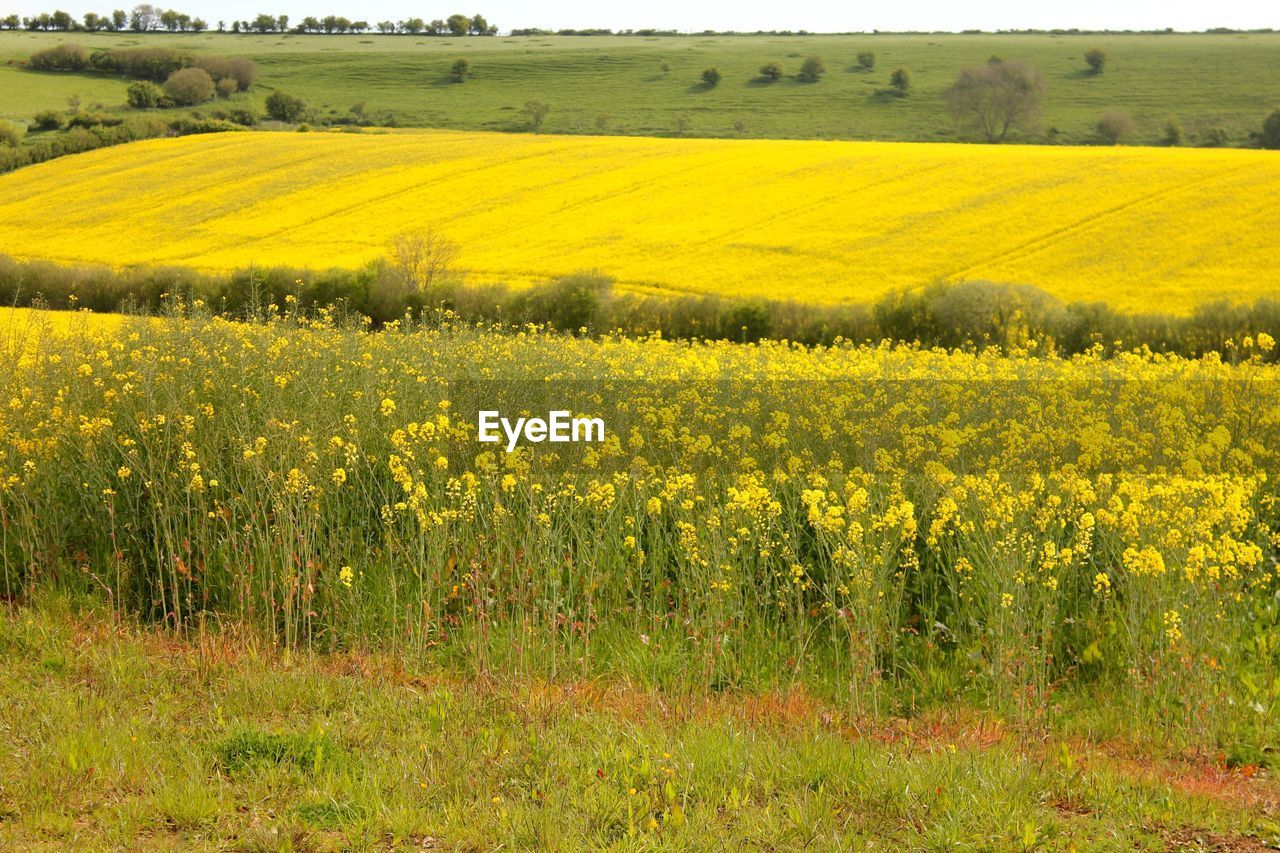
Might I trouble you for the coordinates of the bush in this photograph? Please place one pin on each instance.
(812, 69)
(1215, 137)
(1173, 131)
(1270, 136)
(47, 120)
(900, 82)
(1095, 59)
(244, 72)
(460, 70)
(9, 135)
(245, 117)
(283, 107)
(144, 95)
(570, 304)
(866, 60)
(148, 63)
(189, 86)
(64, 57)
(226, 87)
(771, 71)
(711, 76)
(1114, 126)
(92, 120)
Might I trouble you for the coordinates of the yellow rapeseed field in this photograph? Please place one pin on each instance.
(814, 221)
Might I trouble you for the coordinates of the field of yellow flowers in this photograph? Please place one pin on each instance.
(863, 520)
(809, 221)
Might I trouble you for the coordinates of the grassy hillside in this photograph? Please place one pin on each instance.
(1208, 81)
(809, 221)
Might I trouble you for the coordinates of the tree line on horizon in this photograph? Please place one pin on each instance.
(146, 18)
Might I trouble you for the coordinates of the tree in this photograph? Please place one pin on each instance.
(9, 135)
(996, 98)
(227, 87)
(188, 86)
(1173, 131)
(423, 258)
(144, 95)
(413, 26)
(459, 25)
(1115, 125)
(283, 107)
(479, 26)
(771, 71)
(460, 70)
(711, 76)
(866, 60)
(537, 113)
(143, 18)
(264, 23)
(900, 82)
(1270, 137)
(1095, 59)
(12, 22)
(812, 69)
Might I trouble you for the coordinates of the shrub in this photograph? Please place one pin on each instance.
(711, 76)
(771, 71)
(1173, 131)
(460, 70)
(1270, 136)
(570, 304)
(47, 120)
(866, 60)
(91, 120)
(1215, 137)
(900, 82)
(537, 113)
(9, 135)
(243, 71)
(144, 95)
(149, 63)
(188, 86)
(812, 68)
(226, 87)
(283, 107)
(64, 57)
(245, 117)
(1114, 126)
(1095, 59)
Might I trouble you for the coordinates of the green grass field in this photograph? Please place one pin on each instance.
(1208, 81)
(130, 738)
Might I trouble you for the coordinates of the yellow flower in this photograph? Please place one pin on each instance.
(339, 476)
(346, 576)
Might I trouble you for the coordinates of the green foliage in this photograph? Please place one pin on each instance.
(900, 82)
(461, 69)
(771, 71)
(866, 60)
(711, 76)
(144, 95)
(47, 120)
(10, 135)
(285, 107)
(1095, 59)
(812, 68)
(1270, 136)
(64, 57)
(1173, 134)
(226, 87)
(249, 748)
(189, 86)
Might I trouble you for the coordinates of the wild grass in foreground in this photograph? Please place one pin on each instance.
(122, 737)
(890, 528)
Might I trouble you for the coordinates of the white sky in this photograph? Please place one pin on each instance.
(694, 15)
